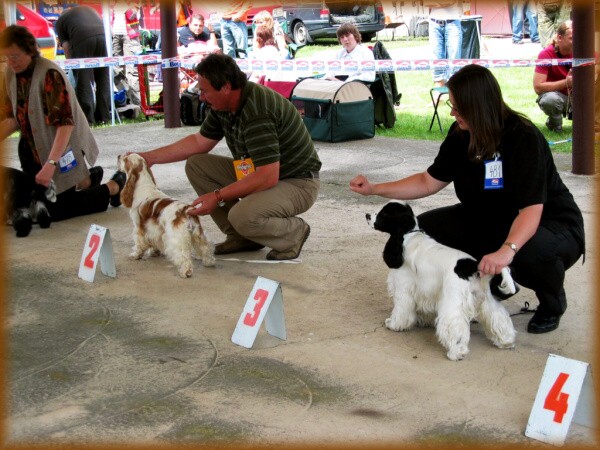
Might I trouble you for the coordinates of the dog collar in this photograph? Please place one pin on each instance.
(418, 230)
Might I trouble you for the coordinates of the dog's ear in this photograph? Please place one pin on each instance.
(129, 188)
(393, 251)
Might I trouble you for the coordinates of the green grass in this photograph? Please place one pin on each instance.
(416, 111)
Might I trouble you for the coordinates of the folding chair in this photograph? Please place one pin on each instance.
(440, 90)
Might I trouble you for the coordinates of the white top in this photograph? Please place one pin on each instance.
(266, 53)
(360, 53)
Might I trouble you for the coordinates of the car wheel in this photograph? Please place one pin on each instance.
(300, 34)
(366, 37)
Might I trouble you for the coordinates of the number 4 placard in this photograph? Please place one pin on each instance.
(264, 303)
(565, 394)
(98, 247)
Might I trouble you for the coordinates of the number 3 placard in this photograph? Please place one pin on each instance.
(264, 303)
(97, 248)
(565, 394)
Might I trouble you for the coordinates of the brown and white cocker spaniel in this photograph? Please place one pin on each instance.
(161, 224)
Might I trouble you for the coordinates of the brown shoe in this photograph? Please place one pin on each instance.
(236, 245)
(294, 252)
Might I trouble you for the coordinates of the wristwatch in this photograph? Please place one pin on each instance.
(512, 246)
(52, 162)
(220, 200)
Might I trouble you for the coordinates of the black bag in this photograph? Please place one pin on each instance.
(192, 110)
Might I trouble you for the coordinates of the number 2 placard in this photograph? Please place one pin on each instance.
(97, 248)
(264, 303)
(560, 396)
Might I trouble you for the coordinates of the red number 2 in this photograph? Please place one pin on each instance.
(94, 243)
(260, 297)
(557, 401)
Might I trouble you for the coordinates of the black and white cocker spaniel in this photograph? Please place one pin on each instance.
(432, 284)
(161, 224)
(24, 200)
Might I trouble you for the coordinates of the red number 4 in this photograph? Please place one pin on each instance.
(557, 401)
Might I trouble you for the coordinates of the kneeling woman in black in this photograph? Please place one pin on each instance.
(55, 138)
(514, 208)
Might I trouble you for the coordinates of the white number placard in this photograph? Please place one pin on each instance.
(97, 249)
(264, 303)
(560, 396)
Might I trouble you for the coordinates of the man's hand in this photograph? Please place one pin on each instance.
(203, 205)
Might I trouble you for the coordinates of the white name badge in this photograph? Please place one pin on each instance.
(264, 303)
(565, 394)
(493, 175)
(97, 248)
(67, 161)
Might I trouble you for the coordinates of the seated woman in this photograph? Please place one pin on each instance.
(55, 138)
(265, 18)
(264, 49)
(352, 49)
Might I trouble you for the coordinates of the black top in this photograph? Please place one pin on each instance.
(77, 24)
(187, 37)
(529, 177)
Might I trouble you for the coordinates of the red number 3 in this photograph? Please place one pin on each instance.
(557, 401)
(94, 243)
(260, 297)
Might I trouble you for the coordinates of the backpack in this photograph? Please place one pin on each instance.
(192, 110)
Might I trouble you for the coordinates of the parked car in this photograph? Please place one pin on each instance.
(307, 21)
(39, 27)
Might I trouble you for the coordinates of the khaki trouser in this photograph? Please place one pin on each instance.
(266, 217)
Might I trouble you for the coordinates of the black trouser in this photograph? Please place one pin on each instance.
(540, 265)
(70, 203)
(95, 107)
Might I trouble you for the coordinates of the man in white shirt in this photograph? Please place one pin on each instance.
(352, 49)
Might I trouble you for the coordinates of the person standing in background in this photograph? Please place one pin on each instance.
(80, 31)
(445, 34)
(551, 13)
(528, 9)
(125, 42)
(234, 31)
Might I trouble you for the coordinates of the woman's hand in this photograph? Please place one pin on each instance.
(45, 175)
(361, 185)
(493, 263)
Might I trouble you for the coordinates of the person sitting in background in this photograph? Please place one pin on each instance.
(352, 49)
(264, 47)
(553, 84)
(264, 18)
(55, 138)
(195, 32)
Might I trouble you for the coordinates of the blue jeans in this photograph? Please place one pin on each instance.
(446, 42)
(518, 8)
(234, 36)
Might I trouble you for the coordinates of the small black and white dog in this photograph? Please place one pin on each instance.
(432, 284)
(23, 200)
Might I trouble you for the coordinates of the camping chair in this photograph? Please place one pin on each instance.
(435, 101)
(396, 21)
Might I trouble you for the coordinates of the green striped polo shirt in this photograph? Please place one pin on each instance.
(268, 128)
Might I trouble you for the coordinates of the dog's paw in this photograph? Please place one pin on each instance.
(392, 324)
(22, 224)
(457, 353)
(208, 261)
(42, 215)
(136, 255)
(185, 271)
